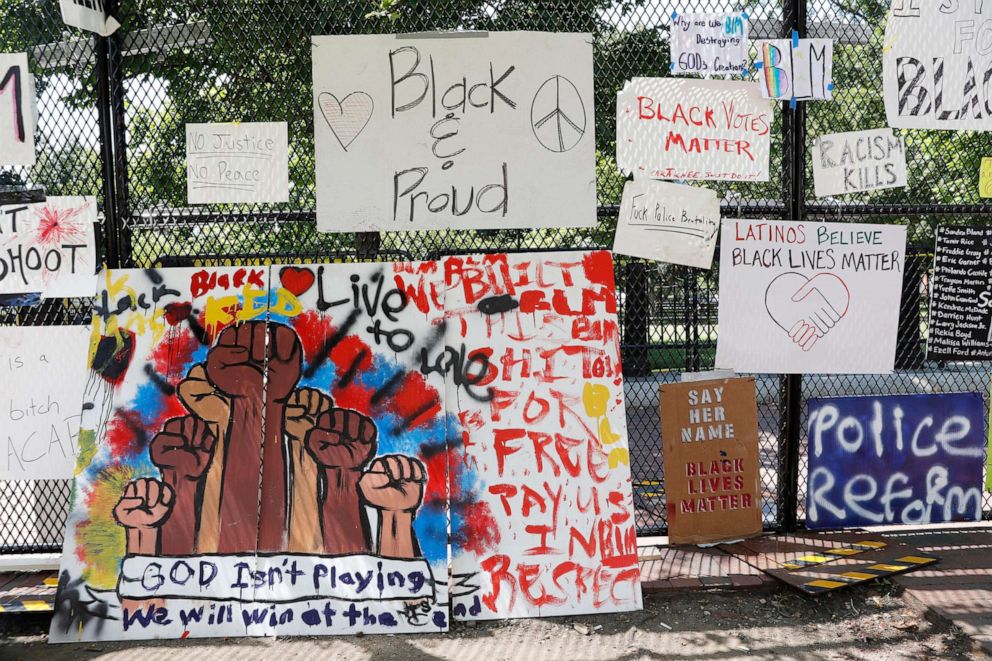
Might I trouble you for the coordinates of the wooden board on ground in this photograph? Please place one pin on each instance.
(27, 592)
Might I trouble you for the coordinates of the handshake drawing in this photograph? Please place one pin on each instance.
(318, 465)
(807, 308)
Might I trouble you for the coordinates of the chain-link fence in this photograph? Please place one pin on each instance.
(111, 123)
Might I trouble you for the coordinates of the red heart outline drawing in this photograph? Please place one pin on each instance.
(296, 280)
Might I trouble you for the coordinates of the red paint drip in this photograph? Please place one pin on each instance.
(481, 531)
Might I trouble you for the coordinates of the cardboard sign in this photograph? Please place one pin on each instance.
(90, 15)
(818, 298)
(49, 247)
(797, 69)
(961, 295)
(543, 438)
(985, 179)
(670, 128)
(896, 459)
(709, 43)
(16, 116)
(231, 163)
(709, 431)
(934, 65)
(348, 435)
(42, 370)
(454, 131)
(859, 161)
(668, 223)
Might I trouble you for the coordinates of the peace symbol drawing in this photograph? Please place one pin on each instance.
(557, 115)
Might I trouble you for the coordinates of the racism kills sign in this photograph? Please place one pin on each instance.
(710, 439)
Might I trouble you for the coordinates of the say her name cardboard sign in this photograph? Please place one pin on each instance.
(668, 223)
(709, 43)
(710, 439)
(43, 372)
(454, 131)
(936, 65)
(49, 247)
(671, 128)
(818, 298)
(895, 459)
(16, 113)
(232, 163)
(857, 162)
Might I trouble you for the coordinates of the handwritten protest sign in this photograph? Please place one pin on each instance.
(936, 65)
(16, 117)
(709, 431)
(49, 247)
(461, 131)
(797, 69)
(961, 295)
(895, 459)
(88, 15)
(799, 297)
(668, 223)
(985, 179)
(859, 161)
(231, 163)
(43, 372)
(671, 128)
(709, 43)
(543, 440)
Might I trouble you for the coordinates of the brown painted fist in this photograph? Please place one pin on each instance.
(203, 400)
(303, 408)
(237, 363)
(394, 483)
(342, 439)
(145, 503)
(184, 445)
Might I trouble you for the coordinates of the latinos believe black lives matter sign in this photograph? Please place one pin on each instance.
(710, 440)
(961, 295)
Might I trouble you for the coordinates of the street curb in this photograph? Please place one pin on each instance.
(935, 616)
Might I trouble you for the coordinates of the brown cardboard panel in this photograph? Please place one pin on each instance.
(710, 446)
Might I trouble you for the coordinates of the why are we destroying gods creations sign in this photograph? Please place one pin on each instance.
(671, 128)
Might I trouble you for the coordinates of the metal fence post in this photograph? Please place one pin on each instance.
(791, 391)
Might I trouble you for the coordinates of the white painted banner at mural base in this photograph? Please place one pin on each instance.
(16, 110)
(857, 162)
(232, 163)
(814, 298)
(709, 43)
(43, 372)
(454, 131)
(50, 247)
(668, 223)
(936, 65)
(670, 128)
(796, 70)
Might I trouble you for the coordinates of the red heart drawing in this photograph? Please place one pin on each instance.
(296, 280)
(176, 313)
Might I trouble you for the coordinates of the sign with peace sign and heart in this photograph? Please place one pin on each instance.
(467, 130)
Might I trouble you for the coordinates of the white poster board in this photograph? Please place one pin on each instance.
(90, 15)
(934, 64)
(858, 161)
(816, 298)
(709, 43)
(796, 69)
(454, 131)
(16, 114)
(669, 128)
(232, 163)
(49, 247)
(43, 373)
(668, 223)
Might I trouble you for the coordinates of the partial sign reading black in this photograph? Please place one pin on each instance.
(961, 299)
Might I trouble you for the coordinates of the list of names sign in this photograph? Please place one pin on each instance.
(961, 296)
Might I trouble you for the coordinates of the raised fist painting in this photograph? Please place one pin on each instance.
(144, 506)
